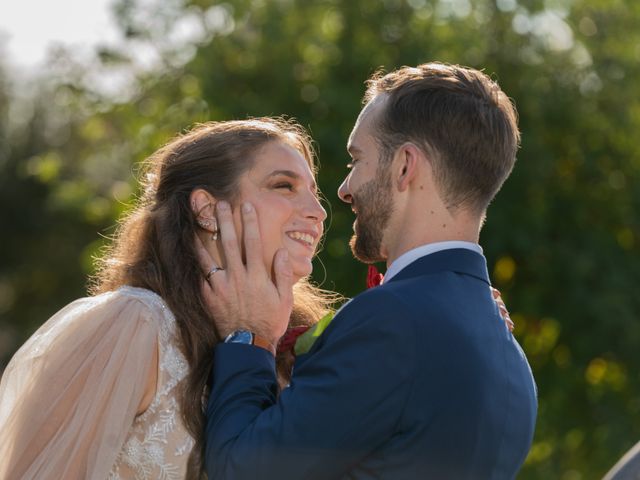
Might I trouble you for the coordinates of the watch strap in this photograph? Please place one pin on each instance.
(262, 342)
(249, 338)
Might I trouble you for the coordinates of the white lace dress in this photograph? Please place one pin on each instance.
(69, 397)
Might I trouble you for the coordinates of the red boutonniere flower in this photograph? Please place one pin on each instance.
(300, 339)
(290, 337)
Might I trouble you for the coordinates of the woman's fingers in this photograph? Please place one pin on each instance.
(503, 309)
(510, 324)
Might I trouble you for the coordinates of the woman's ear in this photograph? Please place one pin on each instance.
(203, 206)
(202, 203)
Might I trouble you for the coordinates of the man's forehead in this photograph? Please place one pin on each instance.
(365, 120)
(370, 110)
(351, 142)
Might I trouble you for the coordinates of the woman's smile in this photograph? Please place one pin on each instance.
(307, 239)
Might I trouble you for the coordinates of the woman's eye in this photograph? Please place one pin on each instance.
(285, 185)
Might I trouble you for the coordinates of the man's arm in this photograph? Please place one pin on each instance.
(343, 403)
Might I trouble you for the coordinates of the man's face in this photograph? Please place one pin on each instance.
(367, 188)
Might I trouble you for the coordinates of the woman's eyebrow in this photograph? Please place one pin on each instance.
(293, 175)
(286, 173)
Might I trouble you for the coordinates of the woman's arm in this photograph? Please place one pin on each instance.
(70, 395)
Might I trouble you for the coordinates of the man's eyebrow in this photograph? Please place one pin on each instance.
(352, 149)
(293, 175)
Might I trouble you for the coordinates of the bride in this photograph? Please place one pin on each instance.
(112, 386)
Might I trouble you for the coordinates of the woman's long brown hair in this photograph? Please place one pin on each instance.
(154, 245)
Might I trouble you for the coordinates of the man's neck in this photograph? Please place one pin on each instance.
(415, 234)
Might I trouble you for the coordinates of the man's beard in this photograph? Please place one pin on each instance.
(373, 205)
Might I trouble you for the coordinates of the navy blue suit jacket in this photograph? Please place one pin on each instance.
(416, 378)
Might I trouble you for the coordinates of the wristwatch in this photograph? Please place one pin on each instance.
(250, 338)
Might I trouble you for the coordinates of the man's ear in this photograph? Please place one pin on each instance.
(202, 203)
(409, 159)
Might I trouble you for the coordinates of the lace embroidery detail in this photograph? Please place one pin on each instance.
(158, 444)
(185, 448)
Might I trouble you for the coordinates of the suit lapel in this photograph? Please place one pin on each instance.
(458, 260)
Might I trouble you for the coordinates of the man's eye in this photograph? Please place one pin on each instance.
(352, 164)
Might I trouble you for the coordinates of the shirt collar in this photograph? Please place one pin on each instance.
(412, 255)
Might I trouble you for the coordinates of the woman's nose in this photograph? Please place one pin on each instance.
(314, 208)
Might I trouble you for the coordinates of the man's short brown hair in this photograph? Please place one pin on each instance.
(460, 118)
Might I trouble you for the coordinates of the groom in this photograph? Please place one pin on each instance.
(418, 377)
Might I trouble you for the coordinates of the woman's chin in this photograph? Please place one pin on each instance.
(301, 269)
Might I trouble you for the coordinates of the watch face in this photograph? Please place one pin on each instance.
(240, 336)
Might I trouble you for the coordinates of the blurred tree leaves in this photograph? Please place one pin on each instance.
(562, 238)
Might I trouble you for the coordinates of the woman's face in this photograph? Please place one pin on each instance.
(282, 189)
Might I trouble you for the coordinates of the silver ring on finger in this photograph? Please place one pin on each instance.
(213, 270)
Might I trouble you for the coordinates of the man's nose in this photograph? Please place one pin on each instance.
(343, 191)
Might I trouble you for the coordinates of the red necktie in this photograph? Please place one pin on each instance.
(374, 277)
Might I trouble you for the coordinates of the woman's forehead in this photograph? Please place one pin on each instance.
(280, 156)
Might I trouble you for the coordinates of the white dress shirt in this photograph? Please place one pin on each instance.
(414, 254)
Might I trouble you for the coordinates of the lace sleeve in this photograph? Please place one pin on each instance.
(70, 394)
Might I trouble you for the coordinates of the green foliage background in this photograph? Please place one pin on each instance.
(562, 237)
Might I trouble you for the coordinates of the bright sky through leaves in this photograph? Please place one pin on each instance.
(29, 27)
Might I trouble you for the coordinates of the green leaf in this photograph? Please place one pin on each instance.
(308, 338)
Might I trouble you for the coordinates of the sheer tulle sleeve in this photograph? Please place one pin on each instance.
(70, 395)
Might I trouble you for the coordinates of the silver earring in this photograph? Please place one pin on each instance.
(204, 224)
(210, 225)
